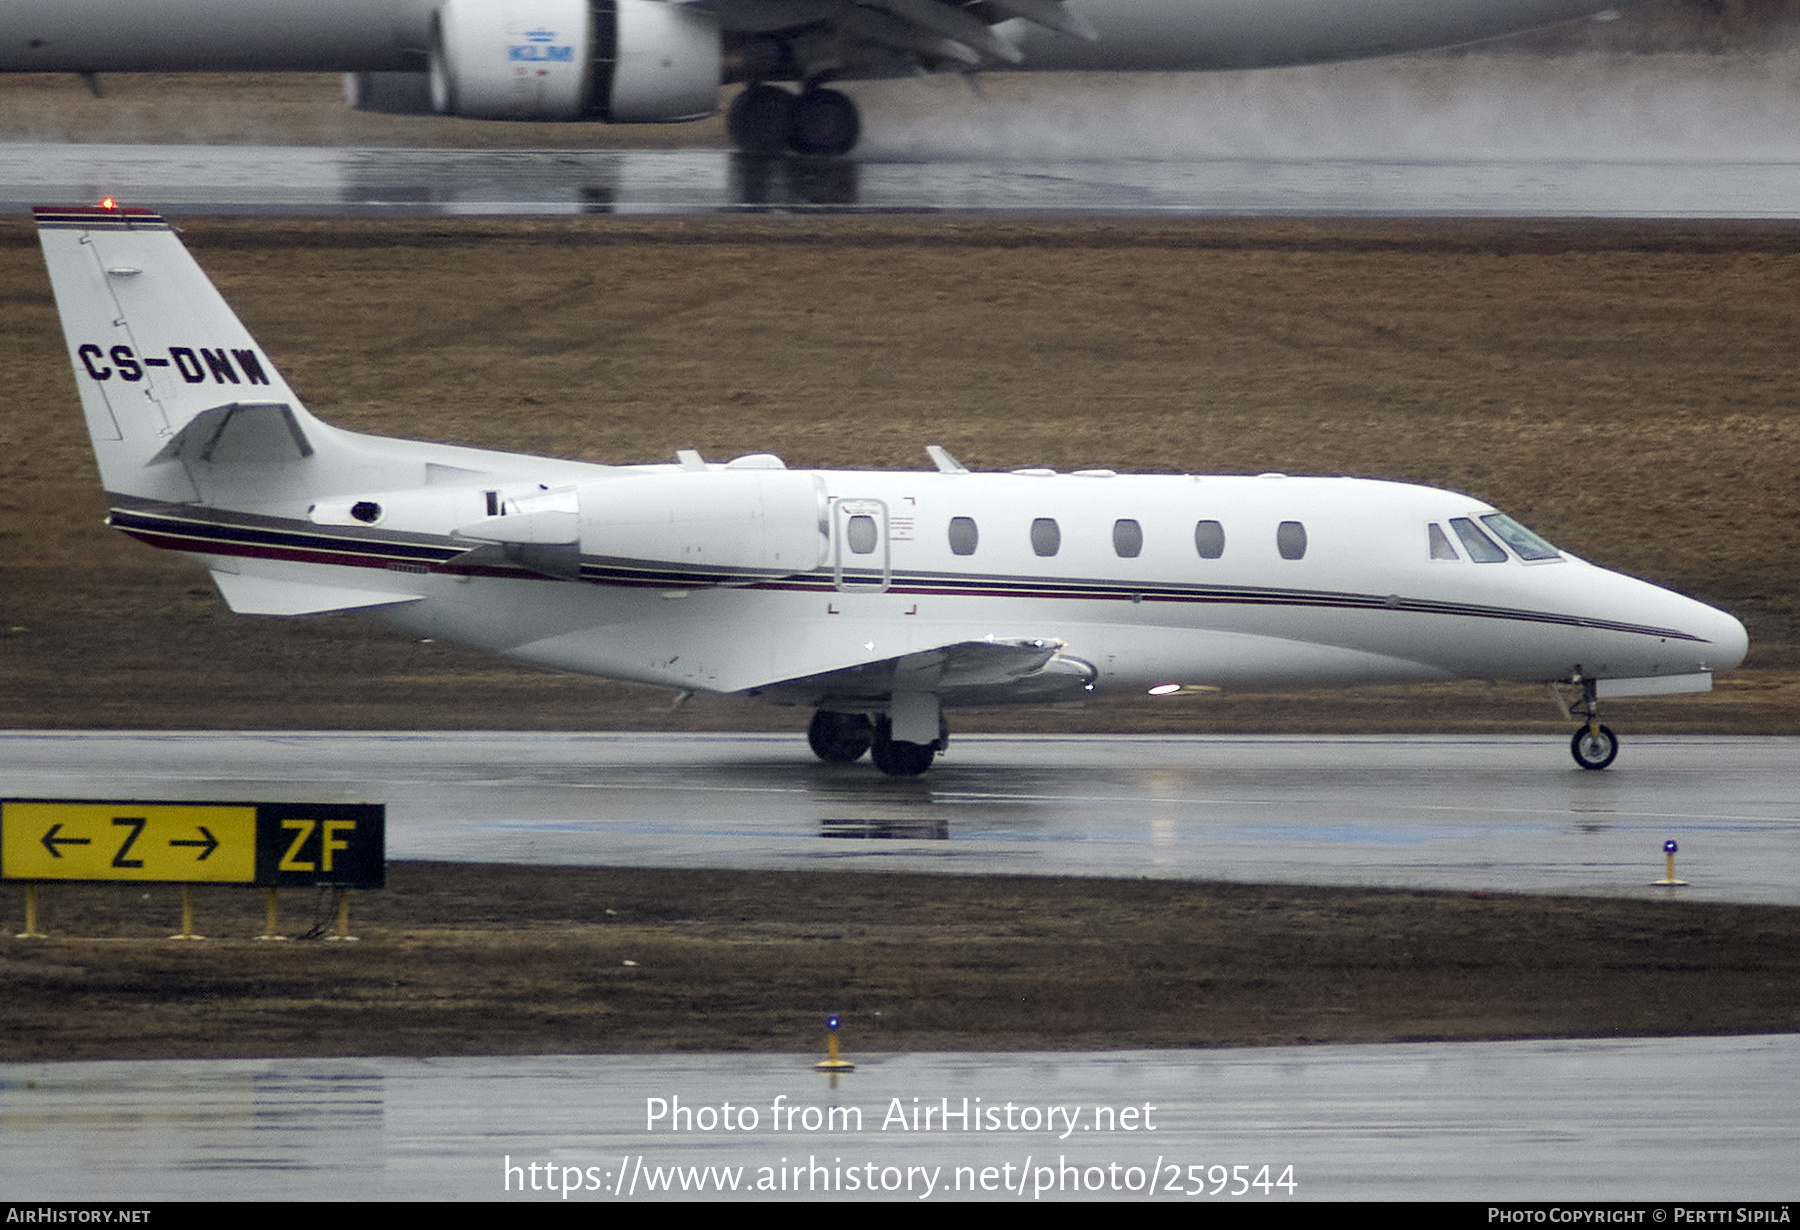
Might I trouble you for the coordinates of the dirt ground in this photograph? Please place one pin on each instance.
(1628, 389)
(456, 959)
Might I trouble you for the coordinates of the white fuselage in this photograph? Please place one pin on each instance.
(694, 580)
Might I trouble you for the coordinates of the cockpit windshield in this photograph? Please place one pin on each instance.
(1526, 545)
(1480, 547)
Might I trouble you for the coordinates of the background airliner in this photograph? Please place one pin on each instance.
(654, 61)
(878, 599)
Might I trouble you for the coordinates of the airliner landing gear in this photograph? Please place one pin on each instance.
(825, 122)
(839, 738)
(761, 120)
(1594, 746)
(896, 758)
(766, 119)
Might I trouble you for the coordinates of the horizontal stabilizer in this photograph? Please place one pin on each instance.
(267, 596)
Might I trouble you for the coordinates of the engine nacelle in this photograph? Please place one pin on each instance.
(622, 61)
(763, 521)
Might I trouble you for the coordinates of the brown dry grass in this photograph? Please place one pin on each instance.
(281, 109)
(1626, 388)
(461, 959)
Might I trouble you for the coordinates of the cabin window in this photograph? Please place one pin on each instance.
(963, 535)
(1209, 539)
(1128, 539)
(1480, 547)
(1046, 537)
(1440, 544)
(1290, 540)
(861, 534)
(1524, 543)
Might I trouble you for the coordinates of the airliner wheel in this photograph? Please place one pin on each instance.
(1594, 748)
(825, 122)
(839, 738)
(761, 120)
(896, 758)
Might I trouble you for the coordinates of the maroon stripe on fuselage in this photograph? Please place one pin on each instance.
(358, 553)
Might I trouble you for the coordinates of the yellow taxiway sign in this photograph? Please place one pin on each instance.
(274, 844)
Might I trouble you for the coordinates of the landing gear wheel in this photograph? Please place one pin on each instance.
(824, 122)
(761, 120)
(898, 759)
(839, 738)
(1594, 747)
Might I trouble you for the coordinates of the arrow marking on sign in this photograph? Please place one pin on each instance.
(210, 843)
(51, 841)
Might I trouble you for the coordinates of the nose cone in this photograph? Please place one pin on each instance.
(1730, 641)
(1720, 640)
(1685, 636)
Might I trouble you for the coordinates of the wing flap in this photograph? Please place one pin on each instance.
(965, 672)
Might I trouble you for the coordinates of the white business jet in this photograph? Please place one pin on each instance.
(656, 61)
(878, 599)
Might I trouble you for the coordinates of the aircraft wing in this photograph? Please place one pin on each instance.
(930, 34)
(789, 662)
(980, 672)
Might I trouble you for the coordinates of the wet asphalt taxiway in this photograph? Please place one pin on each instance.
(1642, 1120)
(213, 179)
(1503, 813)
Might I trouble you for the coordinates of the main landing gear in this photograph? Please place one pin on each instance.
(1594, 746)
(841, 738)
(896, 758)
(766, 119)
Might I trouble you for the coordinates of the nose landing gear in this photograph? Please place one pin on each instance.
(1594, 746)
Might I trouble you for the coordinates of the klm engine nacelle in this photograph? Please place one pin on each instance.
(620, 61)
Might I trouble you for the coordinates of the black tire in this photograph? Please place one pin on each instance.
(761, 120)
(898, 759)
(825, 122)
(1594, 749)
(839, 738)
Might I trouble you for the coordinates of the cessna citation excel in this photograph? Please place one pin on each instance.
(654, 61)
(880, 600)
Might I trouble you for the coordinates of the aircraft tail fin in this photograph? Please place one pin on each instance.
(164, 366)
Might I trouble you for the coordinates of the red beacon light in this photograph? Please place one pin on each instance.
(107, 202)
